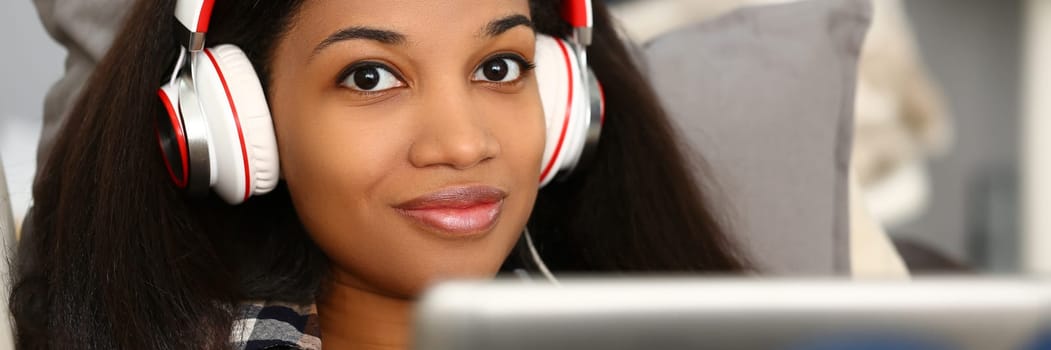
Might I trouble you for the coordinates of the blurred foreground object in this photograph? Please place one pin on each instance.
(706, 313)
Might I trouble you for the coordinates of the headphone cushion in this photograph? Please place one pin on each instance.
(558, 77)
(553, 78)
(229, 78)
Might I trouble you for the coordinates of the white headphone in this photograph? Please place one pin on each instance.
(215, 129)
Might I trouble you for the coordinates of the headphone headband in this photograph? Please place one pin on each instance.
(580, 15)
(194, 14)
(194, 17)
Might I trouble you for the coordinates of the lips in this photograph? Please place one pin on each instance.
(456, 211)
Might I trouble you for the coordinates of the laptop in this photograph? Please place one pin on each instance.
(705, 313)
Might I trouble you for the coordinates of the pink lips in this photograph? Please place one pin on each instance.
(456, 211)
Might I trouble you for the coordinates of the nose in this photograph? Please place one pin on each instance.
(454, 132)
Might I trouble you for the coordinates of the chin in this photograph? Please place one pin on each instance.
(428, 274)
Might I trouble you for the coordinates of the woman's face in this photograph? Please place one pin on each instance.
(410, 135)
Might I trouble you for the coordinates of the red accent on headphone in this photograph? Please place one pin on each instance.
(569, 112)
(180, 136)
(602, 99)
(206, 16)
(575, 12)
(237, 121)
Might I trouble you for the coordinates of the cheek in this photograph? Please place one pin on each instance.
(335, 165)
(325, 152)
(519, 126)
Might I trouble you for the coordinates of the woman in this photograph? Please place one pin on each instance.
(382, 111)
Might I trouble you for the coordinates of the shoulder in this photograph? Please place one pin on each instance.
(275, 325)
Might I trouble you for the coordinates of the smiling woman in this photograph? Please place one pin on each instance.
(392, 127)
(413, 139)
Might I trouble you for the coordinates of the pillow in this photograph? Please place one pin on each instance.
(766, 95)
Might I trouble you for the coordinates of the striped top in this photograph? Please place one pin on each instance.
(276, 326)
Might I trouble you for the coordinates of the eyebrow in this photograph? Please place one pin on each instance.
(383, 36)
(365, 33)
(499, 26)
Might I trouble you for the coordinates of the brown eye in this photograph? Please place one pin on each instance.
(495, 70)
(367, 79)
(499, 70)
(371, 78)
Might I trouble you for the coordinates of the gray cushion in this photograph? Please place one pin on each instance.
(766, 95)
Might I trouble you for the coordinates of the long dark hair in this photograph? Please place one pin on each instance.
(118, 258)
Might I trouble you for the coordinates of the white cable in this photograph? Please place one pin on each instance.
(536, 259)
(523, 275)
(178, 67)
(193, 68)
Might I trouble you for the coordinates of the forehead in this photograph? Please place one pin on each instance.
(416, 19)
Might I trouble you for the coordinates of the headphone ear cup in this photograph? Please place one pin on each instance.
(241, 132)
(554, 78)
(182, 134)
(564, 97)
